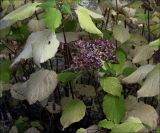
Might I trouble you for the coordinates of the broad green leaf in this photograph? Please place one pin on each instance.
(120, 33)
(66, 8)
(114, 108)
(145, 112)
(151, 86)
(66, 76)
(53, 18)
(143, 53)
(5, 71)
(48, 4)
(39, 86)
(106, 124)
(139, 74)
(120, 54)
(73, 112)
(155, 43)
(20, 13)
(81, 130)
(128, 70)
(86, 22)
(41, 45)
(111, 85)
(131, 125)
(36, 124)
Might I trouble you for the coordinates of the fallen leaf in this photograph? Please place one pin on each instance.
(139, 74)
(146, 113)
(151, 86)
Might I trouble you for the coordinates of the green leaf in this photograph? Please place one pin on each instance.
(106, 124)
(128, 70)
(5, 71)
(66, 8)
(121, 33)
(36, 124)
(81, 130)
(86, 22)
(73, 112)
(135, 4)
(107, 34)
(155, 43)
(120, 54)
(20, 13)
(114, 108)
(48, 4)
(19, 33)
(111, 85)
(131, 125)
(66, 76)
(52, 18)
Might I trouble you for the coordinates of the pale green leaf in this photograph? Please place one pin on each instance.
(73, 112)
(120, 33)
(155, 43)
(131, 125)
(106, 124)
(139, 74)
(114, 108)
(151, 86)
(145, 112)
(52, 18)
(111, 85)
(86, 22)
(20, 13)
(81, 130)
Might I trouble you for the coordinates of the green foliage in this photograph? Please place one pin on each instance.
(74, 111)
(106, 124)
(114, 108)
(121, 61)
(67, 76)
(128, 70)
(53, 18)
(111, 85)
(5, 71)
(131, 125)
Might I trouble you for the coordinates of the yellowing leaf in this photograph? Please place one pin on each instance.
(74, 111)
(139, 74)
(146, 113)
(86, 22)
(131, 125)
(121, 33)
(143, 53)
(41, 45)
(20, 13)
(151, 86)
